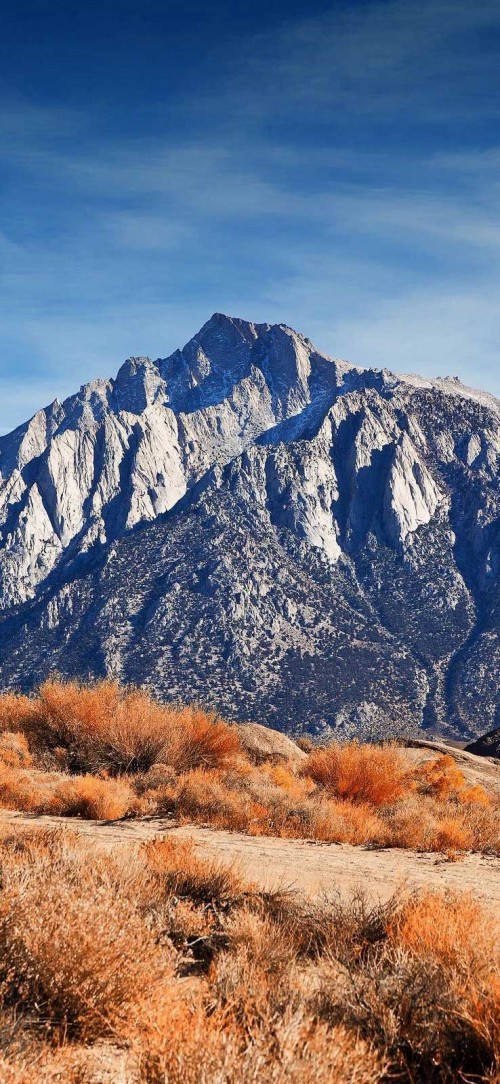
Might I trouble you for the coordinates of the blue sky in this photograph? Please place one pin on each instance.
(335, 166)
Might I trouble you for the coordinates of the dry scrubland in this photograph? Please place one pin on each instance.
(104, 752)
(168, 969)
(155, 966)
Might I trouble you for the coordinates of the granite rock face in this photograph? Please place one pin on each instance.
(287, 537)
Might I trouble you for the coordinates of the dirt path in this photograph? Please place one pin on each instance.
(310, 867)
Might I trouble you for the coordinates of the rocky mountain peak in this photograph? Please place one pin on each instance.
(282, 517)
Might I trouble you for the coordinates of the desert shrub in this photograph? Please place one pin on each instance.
(424, 823)
(99, 726)
(450, 835)
(202, 740)
(255, 979)
(93, 798)
(373, 774)
(72, 946)
(484, 824)
(443, 779)
(203, 797)
(408, 1007)
(345, 822)
(452, 928)
(357, 927)
(72, 796)
(314, 928)
(184, 874)
(188, 1048)
(425, 991)
(14, 752)
(284, 776)
(102, 726)
(253, 803)
(15, 711)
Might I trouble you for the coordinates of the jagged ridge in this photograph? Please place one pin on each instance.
(323, 541)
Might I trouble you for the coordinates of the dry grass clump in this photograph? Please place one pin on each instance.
(190, 975)
(370, 774)
(67, 796)
(70, 944)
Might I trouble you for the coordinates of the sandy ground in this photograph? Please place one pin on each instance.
(313, 868)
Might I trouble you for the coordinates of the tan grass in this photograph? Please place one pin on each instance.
(200, 979)
(81, 956)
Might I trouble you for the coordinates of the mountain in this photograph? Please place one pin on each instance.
(282, 535)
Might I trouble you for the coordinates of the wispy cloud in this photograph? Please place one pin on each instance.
(339, 174)
(420, 58)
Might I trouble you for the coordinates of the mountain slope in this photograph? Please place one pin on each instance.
(286, 536)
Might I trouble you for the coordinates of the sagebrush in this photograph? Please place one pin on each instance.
(105, 752)
(154, 961)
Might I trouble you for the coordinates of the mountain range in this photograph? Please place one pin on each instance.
(283, 536)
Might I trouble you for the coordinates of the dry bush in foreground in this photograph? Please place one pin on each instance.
(193, 976)
(74, 949)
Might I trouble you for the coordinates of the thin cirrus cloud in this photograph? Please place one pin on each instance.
(338, 174)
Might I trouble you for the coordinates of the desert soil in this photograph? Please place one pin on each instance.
(303, 865)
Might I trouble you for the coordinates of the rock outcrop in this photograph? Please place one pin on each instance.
(263, 745)
(488, 745)
(287, 537)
